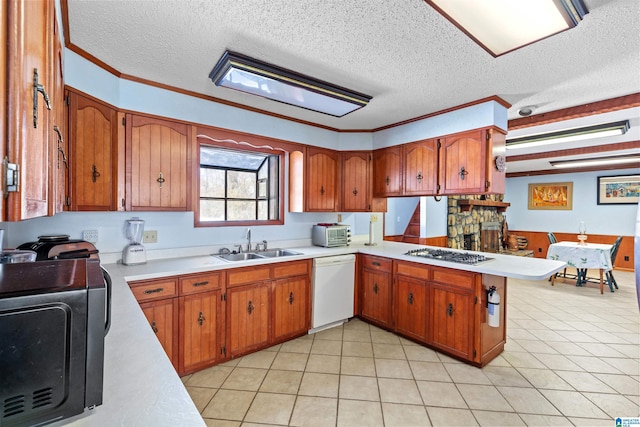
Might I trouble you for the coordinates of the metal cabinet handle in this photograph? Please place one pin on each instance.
(201, 319)
(38, 88)
(419, 177)
(250, 307)
(463, 172)
(153, 291)
(450, 309)
(410, 299)
(355, 191)
(290, 297)
(94, 173)
(161, 179)
(60, 148)
(154, 327)
(375, 288)
(376, 263)
(387, 180)
(195, 285)
(322, 190)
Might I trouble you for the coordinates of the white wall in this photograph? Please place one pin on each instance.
(599, 219)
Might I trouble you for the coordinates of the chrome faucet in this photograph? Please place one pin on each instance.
(248, 237)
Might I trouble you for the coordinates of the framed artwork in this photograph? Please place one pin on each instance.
(551, 196)
(618, 190)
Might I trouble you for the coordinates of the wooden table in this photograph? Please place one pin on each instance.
(590, 255)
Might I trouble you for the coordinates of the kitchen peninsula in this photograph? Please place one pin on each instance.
(141, 387)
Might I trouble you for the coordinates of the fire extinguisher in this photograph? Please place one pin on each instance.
(493, 307)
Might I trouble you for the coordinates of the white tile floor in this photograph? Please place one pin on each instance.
(572, 358)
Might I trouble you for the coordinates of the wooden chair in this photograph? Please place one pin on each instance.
(552, 240)
(614, 251)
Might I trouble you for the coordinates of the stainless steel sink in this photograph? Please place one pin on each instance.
(273, 253)
(240, 257)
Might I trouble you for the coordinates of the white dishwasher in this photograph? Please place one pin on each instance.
(333, 289)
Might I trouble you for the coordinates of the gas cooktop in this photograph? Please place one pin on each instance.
(450, 256)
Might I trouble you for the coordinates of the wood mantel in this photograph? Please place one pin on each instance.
(467, 204)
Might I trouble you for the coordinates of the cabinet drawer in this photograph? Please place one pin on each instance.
(419, 271)
(290, 269)
(152, 290)
(200, 283)
(241, 276)
(376, 263)
(458, 278)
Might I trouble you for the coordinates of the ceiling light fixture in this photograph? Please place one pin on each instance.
(526, 111)
(568, 135)
(501, 26)
(598, 161)
(240, 72)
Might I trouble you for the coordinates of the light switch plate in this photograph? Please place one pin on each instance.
(90, 236)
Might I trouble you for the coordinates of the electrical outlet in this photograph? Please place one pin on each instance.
(90, 236)
(374, 218)
(150, 236)
(339, 217)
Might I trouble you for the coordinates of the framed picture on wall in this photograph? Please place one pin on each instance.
(551, 196)
(618, 190)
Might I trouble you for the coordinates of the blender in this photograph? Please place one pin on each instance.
(134, 252)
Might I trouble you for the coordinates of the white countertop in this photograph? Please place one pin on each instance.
(141, 386)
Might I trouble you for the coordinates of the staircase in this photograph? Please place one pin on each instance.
(412, 232)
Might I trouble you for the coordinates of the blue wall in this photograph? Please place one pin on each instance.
(599, 219)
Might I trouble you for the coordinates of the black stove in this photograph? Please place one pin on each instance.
(450, 256)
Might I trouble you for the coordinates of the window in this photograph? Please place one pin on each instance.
(239, 187)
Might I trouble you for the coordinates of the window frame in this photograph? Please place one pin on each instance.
(231, 144)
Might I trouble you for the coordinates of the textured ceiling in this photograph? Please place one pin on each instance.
(404, 54)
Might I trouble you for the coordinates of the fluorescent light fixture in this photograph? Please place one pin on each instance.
(240, 72)
(501, 26)
(569, 135)
(598, 161)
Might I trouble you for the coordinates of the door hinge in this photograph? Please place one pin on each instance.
(124, 121)
(487, 184)
(475, 299)
(123, 203)
(223, 351)
(11, 177)
(223, 297)
(487, 135)
(67, 201)
(439, 144)
(474, 353)
(67, 100)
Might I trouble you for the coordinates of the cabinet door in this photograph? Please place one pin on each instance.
(387, 172)
(452, 320)
(376, 296)
(200, 338)
(322, 180)
(291, 312)
(93, 168)
(464, 157)
(29, 127)
(411, 306)
(356, 187)
(59, 148)
(421, 168)
(157, 164)
(247, 318)
(162, 315)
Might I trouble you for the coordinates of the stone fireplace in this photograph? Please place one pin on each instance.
(465, 220)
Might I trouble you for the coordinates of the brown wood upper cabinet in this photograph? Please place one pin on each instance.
(322, 178)
(157, 164)
(469, 162)
(28, 110)
(387, 172)
(93, 155)
(421, 167)
(356, 181)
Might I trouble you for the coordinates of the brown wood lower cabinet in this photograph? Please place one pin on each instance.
(442, 308)
(247, 318)
(162, 316)
(205, 318)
